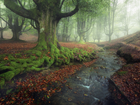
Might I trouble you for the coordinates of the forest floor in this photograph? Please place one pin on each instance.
(18, 90)
(127, 79)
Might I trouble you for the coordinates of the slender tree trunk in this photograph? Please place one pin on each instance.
(1, 34)
(81, 38)
(109, 38)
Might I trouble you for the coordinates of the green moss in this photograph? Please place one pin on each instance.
(14, 64)
(24, 64)
(38, 53)
(82, 42)
(8, 75)
(7, 67)
(46, 59)
(54, 49)
(28, 60)
(21, 60)
(16, 71)
(122, 72)
(18, 55)
(2, 82)
(8, 91)
(33, 57)
(11, 58)
(38, 69)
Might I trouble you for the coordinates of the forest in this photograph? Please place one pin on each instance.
(69, 52)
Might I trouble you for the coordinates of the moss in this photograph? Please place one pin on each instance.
(14, 64)
(38, 53)
(28, 60)
(33, 57)
(46, 59)
(38, 69)
(11, 58)
(8, 91)
(24, 64)
(2, 82)
(21, 61)
(82, 42)
(7, 67)
(122, 72)
(8, 75)
(54, 49)
(18, 55)
(17, 71)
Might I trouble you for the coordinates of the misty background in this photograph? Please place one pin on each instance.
(122, 18)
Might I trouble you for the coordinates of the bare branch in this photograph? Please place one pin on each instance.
(22, 5)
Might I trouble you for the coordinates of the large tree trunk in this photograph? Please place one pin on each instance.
(15, 35)
(47, 35)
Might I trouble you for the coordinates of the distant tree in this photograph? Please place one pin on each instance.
(2, 27)
(84, 22)
(109, 18)
(125, 20)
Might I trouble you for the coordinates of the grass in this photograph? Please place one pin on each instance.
(122, 72)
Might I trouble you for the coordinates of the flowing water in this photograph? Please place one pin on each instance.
(89, 86)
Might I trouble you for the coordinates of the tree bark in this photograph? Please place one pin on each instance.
(109, 38)
(1, 34)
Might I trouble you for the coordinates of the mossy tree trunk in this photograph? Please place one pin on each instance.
(47, 31)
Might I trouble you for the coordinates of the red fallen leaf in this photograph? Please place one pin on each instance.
(70, 88)
(59, 90)
(6, 58)
(85, 95)
(69, 99)
(44, 89)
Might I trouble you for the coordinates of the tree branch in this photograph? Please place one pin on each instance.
(4, 20)
(22, 5)
(63, 15)
(31, 14)
(61, 4)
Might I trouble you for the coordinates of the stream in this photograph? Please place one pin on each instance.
(89, 86)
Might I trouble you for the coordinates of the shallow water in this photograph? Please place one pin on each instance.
(89, 86)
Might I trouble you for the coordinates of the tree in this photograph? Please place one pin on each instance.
(47, 13)
(125, 19)
(2, 29)
(109, 19)
(84, 22)
(99, 28)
